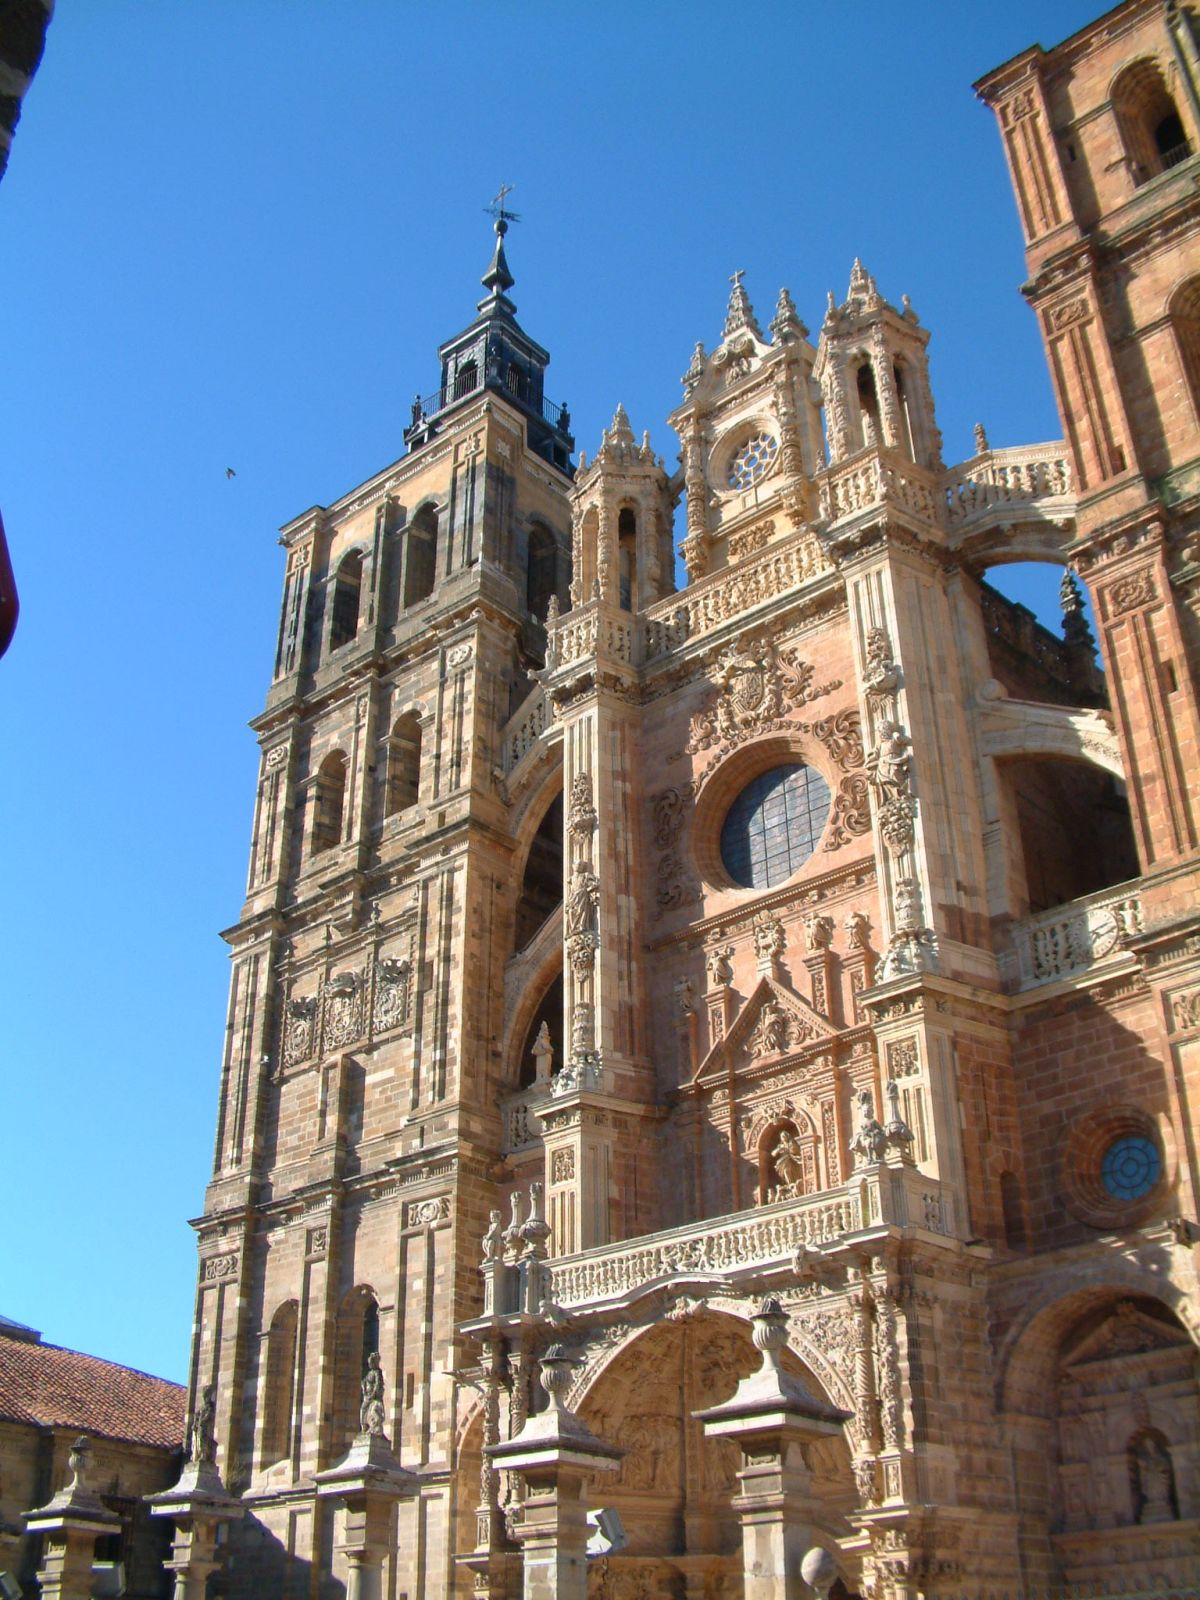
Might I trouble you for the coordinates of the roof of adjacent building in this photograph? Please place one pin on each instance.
(50, 1387)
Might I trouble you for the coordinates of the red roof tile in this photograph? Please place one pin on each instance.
(45, 1384)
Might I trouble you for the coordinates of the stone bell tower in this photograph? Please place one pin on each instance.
(359, 1087)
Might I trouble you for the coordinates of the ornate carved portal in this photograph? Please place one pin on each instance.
(674, 1488)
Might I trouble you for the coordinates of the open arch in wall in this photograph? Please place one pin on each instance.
(1101, 1401)
(329, 802)
(674, 1487)
(542, 877)
(1074, 825)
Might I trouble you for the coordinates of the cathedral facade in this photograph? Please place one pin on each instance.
(823, 931)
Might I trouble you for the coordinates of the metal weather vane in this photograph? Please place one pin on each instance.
(500, 211)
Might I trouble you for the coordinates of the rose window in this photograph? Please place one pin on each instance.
(1131, 1168)
(773, 826)
(753, 461)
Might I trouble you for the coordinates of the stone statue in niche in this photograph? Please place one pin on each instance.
(1153, 1480)
(720, 966)
(788, 1158)
(370, 1412)
(818, 931)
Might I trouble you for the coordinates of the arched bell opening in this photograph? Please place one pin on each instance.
(542, 881)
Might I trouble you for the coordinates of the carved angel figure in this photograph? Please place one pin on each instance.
(370, 1414)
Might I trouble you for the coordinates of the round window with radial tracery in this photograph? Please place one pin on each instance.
(1130, 1167)
(773, 826)
(753, 460)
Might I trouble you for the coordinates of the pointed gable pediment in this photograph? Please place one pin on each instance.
(774, 1024)
(1129, 1331)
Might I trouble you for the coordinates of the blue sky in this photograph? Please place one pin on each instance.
(234, 234)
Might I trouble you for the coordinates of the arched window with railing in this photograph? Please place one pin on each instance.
(466, 379)
(1152, 130)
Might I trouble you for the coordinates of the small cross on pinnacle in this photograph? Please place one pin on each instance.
(735, 279)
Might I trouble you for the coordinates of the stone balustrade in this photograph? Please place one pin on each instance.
(1071, 938)
(880, 1196)
(1025, 476)
(879, 478)
(730, 593)
(527, 724)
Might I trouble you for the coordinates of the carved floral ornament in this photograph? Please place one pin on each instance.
(1126, 594)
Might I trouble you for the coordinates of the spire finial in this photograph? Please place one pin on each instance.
(785, 324)
(498, 278)
(621, 430)
(740, 313)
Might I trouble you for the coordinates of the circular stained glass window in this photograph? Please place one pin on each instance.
(753, 460)
(773, 826)
(1131, 1167)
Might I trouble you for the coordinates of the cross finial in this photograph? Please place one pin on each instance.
(500, 211)
(735, 278)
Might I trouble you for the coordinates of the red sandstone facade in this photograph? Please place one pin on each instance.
(533, 901)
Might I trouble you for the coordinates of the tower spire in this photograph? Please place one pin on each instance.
(497, 279)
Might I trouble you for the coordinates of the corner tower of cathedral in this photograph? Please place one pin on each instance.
(781, 988)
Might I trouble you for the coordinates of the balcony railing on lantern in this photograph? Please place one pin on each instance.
(749, 1241)
(472, 381)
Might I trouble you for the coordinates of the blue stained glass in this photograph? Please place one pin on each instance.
(1131, 1167)
(773, 826)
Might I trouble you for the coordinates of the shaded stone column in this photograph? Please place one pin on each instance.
(368, 1481)
(69, 1526)
(555, 1452)
(772, 1416)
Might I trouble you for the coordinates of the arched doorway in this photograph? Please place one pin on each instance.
(1103, 1401)
(674, 1488)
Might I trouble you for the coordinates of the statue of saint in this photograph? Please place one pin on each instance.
(370, 1416)
(203, 1443)
(788, 1158)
